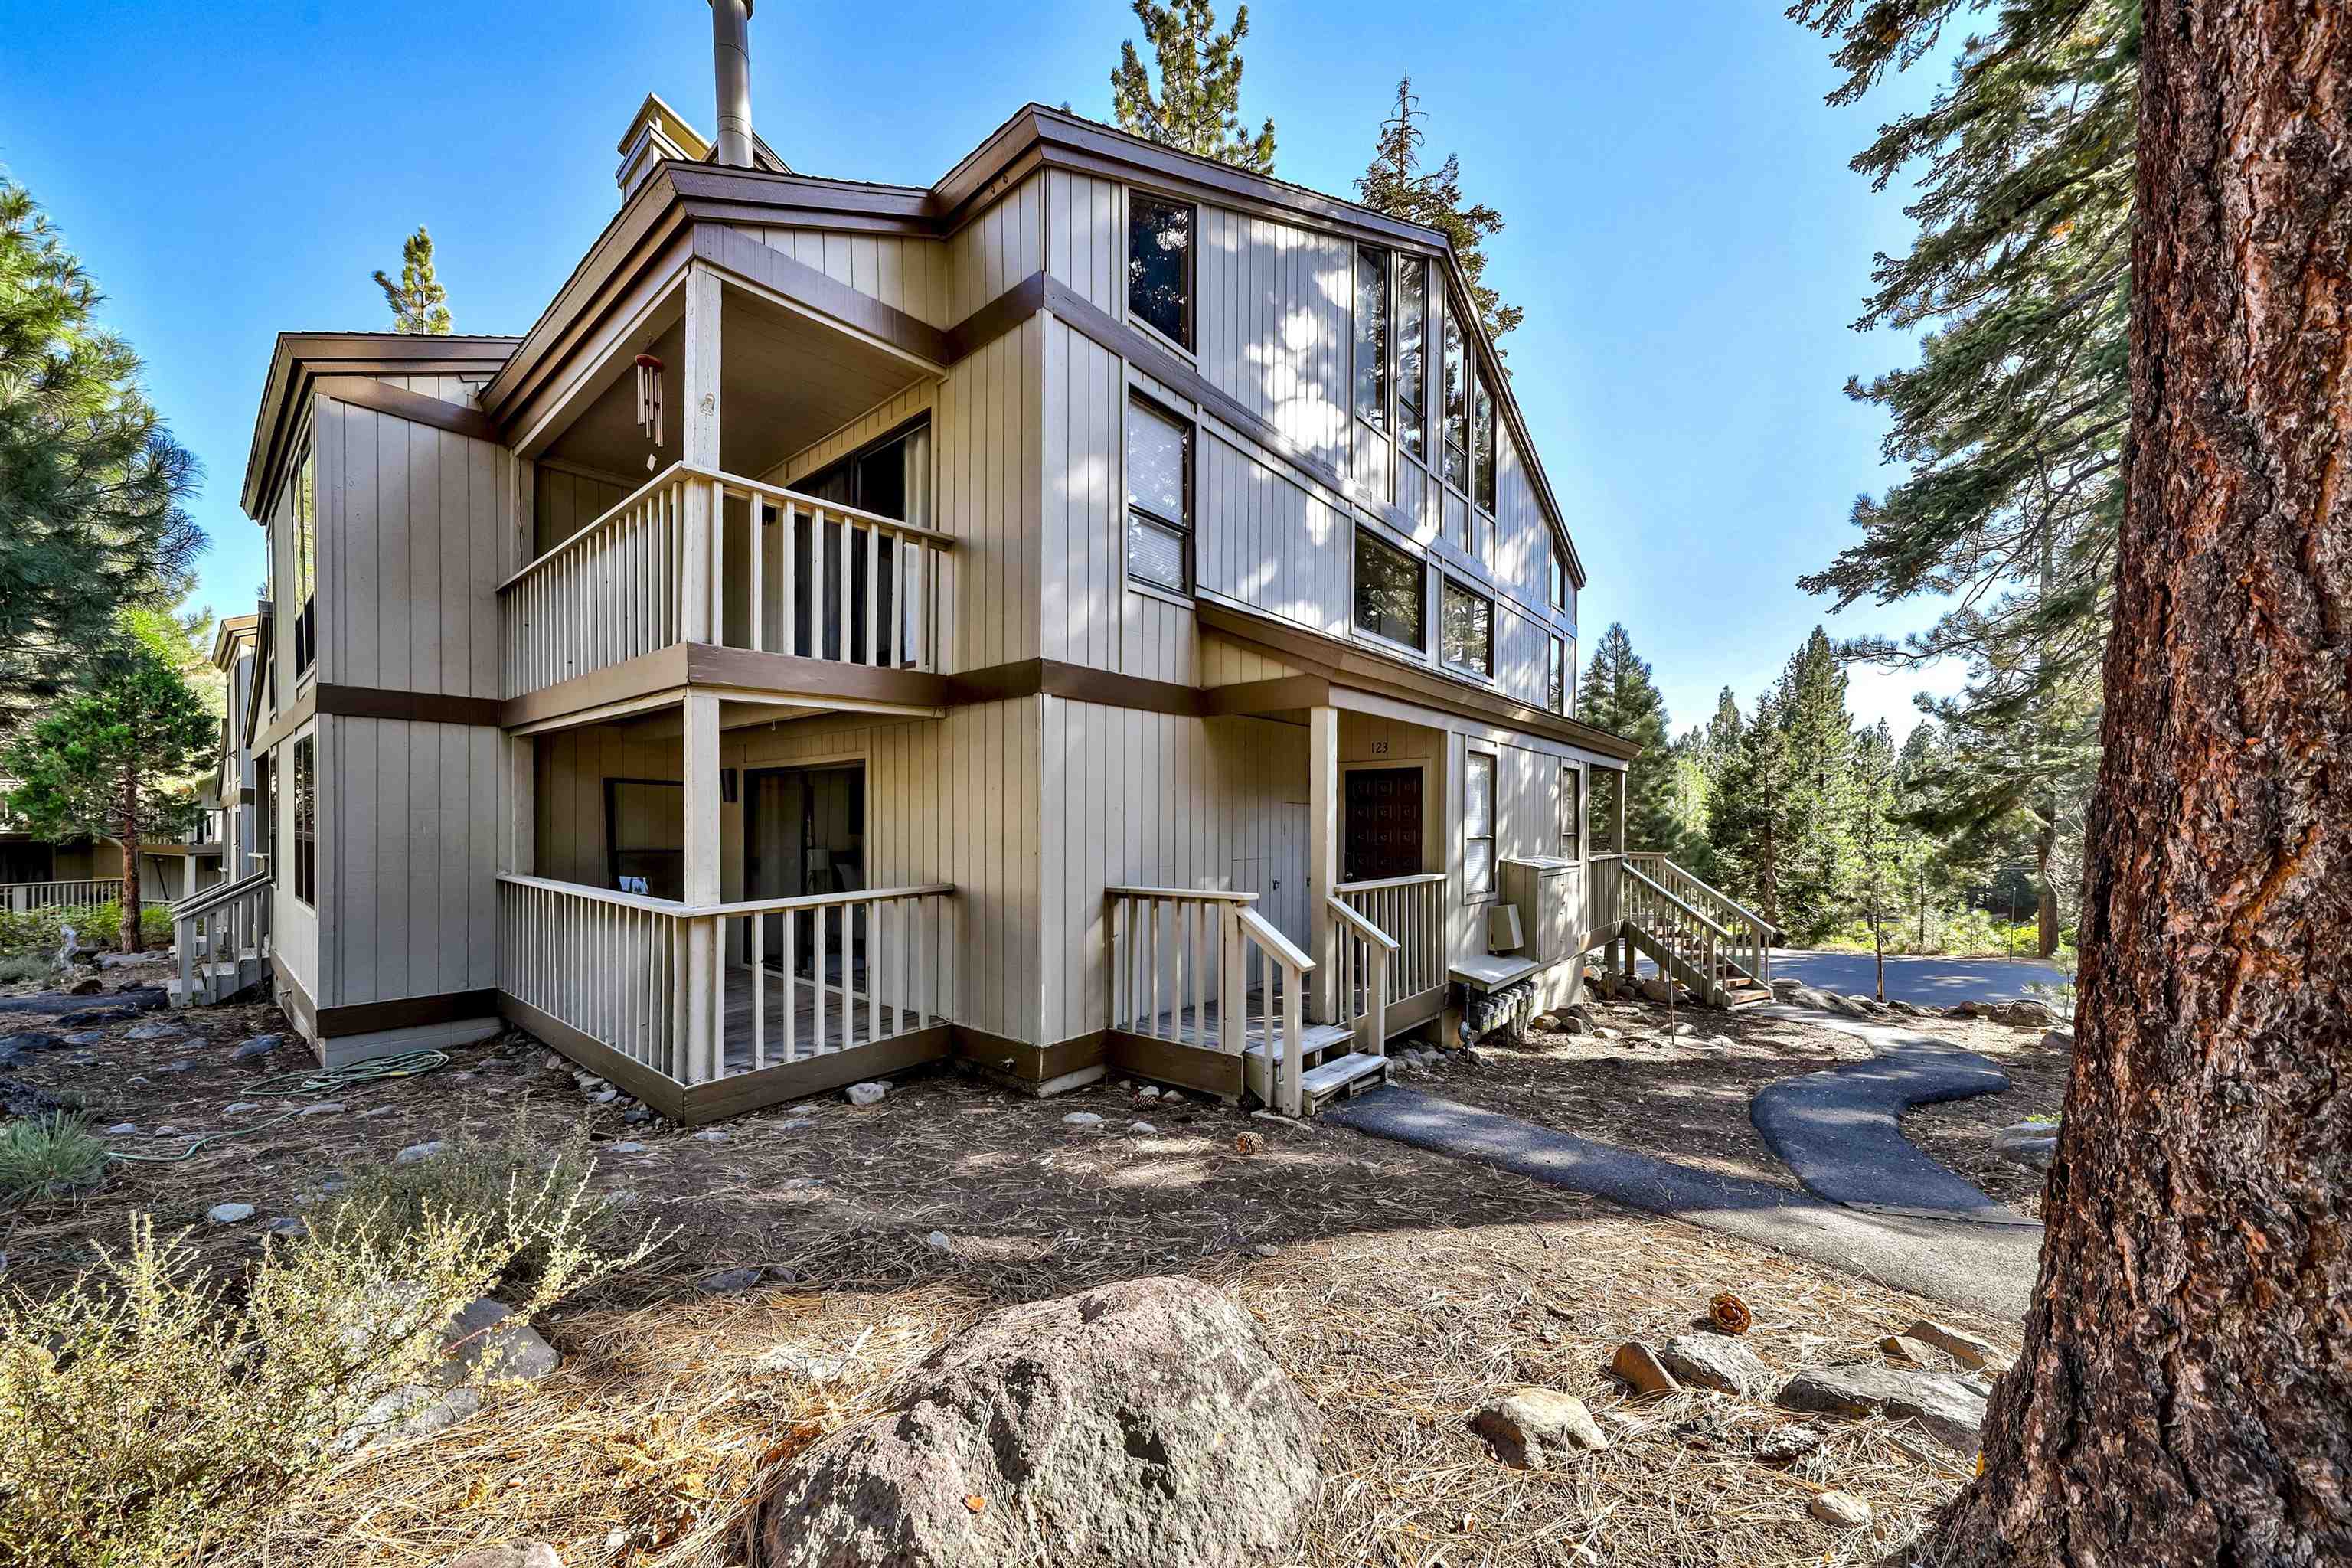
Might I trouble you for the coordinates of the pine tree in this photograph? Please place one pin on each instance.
(92, 485)
(1888, 852)
(1748, 820)
(419, 303)
(113, 761)
(2012, 425)
(1198, 108)
(1395, 184)
(1619, 696)
(1817, 860)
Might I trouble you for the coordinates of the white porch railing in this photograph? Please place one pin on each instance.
(1748, 936)
(780, 572)
(1359, 958)
(218, 931)
(1231, 980)
(1412, 911)
(21, 898)
(834, 973)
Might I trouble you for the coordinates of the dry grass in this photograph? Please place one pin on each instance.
(1399, 1286)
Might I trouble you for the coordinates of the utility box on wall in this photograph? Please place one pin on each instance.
(1545, 889)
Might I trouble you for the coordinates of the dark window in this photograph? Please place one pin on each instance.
(1571, 813)
(1558, 579)
(306, 820)
(1159, 266)
(1411, 366)
(891, 477)
(1559, 676)
(1389, 591)
(1372, 337)
(1602, 827)
(1482, 446)
(1478, 826)
(306, 571)
(1159, 498)
(1457, 405)
(645, 837)
(1469, 628)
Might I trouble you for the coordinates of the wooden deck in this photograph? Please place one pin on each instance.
(846, 1022)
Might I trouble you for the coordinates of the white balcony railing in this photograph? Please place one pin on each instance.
(1411, 910)
(80, 892)
(773, 571)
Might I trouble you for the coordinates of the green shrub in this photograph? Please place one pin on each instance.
(41, 933)
(507, 1185)
(148, 1411)
(17, 968)
(44, 1155)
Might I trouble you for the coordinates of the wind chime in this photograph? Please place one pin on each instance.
(649, 405)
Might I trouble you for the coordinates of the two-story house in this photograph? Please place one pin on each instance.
(1101, 611)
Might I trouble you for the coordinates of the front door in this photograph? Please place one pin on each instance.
(1383, 834)
(804, 832)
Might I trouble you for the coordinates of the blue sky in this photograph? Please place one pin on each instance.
(1683, 231)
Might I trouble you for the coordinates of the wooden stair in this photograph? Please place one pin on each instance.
(1335, 1068)
(1676, 955)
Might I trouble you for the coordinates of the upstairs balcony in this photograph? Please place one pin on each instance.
(701, 557)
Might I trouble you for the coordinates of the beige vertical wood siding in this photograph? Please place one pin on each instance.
(906, 273)
(408, 853)
(409, 518)
(563, 502)
(569, 773)
(1159, 800)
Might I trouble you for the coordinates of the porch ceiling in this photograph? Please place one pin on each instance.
(787, 378)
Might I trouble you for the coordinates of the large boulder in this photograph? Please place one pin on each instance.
(1950, 1411)
(483, 1342)
(1142, 1422)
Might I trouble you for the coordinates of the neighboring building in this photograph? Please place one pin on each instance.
(1016, 612)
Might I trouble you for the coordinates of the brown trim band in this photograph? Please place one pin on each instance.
(1165, 1061)
(297, 714)
(323, 698)
(998, 317)
(1077, 682)
(735, 251)
(365, 392)
(1028, 1063)
(663, 1093)
(713, 664)
(405, 1013)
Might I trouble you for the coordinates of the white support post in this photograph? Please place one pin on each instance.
(705, 954)
(698, 436)
(1322, 848)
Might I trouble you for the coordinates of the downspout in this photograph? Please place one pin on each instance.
(730, 60)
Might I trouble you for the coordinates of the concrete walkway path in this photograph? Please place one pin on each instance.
(1980, 1268)
(1840, 1132)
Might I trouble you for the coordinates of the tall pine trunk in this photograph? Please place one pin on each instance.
(127, 940)
(2185, 1395)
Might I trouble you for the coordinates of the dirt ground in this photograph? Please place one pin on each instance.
(1398, 1286)
(1959, 1133)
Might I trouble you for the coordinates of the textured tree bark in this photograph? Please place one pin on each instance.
(2185, 1396)
(128, 939)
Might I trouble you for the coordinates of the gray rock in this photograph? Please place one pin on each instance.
(866, 1093)
(605, 1096)
(478, 1344)
(714, 1135)
(1949, 1410)
(1537, 1429)
(1681, 1031)
(1712, 1361)
(1842, 1510)
(728, 1281)
(807, 1365)
(241, 1107)
(636, 1116)
(1149, 1091)
(152, 1032)
(323, 1107)
(185, 1064)
(2058, 1039)
(939, 1241)
(22, 1045)
(1141, 1129)
(552, 1063)
(285, 1225)
(373, 1111)
(415, 1151)
(255, 1050)
(229, 1214)
(164, 1132)
(1960, 1345)
(1142, 1422)
(514, 1555)
(1787, 1444)
(87, 1037)
(1081, 1118)
(121, 1130)
(624, 1147)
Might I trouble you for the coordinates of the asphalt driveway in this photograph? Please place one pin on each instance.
(1921, 980)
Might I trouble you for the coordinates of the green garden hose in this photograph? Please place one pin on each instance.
(312, 1080)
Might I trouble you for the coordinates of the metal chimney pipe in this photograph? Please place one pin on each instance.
(730, 59)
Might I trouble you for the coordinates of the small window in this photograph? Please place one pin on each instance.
(1478, 826)
(1482, 446)
(306, 820)
(1390, 586)
(306, 545)
(1372, 337)
(1159, 266)
(1411, 367)
(1604, 822)
(1571, 813)
(1558, 578)
(1469, 628)
(1558, 690)
(1159, 498)
(1457, 405)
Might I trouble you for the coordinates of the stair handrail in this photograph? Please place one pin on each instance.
(1285, 1057)
(1725, 899)
(192, 921)
(1762, 932)
(1694, 911)
(212, 898)
(1380, 947)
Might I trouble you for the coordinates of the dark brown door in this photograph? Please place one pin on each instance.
(1382, 836)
